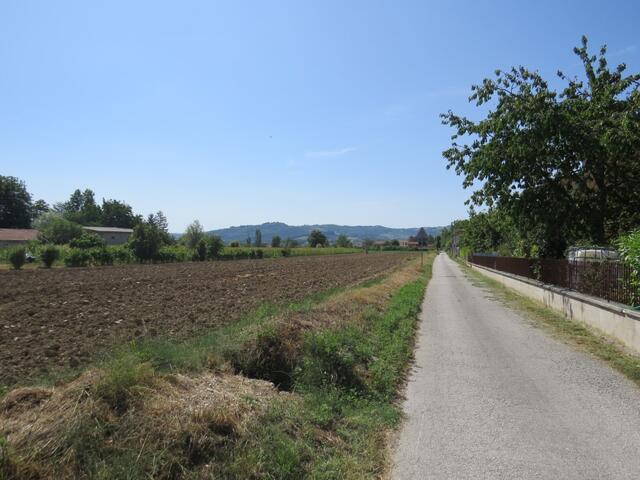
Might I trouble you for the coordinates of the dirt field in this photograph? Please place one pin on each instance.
(58, 318)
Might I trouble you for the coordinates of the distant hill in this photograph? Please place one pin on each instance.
(301, 232)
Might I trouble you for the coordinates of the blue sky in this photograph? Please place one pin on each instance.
(243, 112)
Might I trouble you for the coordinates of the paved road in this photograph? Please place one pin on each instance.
(493, 397)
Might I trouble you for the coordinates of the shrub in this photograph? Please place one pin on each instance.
(174, 253)
(629, 247)
(17, 257)
(49, 255)
(121, 254)
(201, 250)
(214, 247)
(77, 258)
(101, 256)
(259, 253)
(235, 243)
(57, 229)
(286, 252)
(87, 240)
(145, 241)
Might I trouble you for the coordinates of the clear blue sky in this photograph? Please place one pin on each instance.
(243, 112)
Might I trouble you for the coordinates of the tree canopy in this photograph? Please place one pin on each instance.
(564, 166)
(317, 239)
(15, 203)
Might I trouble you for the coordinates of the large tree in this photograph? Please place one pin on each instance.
(317, 239)
(117, 214)
(193, 235)
(563, 165)
(15, 203)
(81, 208)
(422, 237)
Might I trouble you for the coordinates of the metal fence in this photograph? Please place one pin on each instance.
(609, 280)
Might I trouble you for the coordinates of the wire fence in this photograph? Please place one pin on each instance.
(609, 280)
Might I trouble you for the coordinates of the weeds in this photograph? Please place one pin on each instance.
(123, 378)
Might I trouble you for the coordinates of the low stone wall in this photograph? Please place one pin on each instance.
(613, 319)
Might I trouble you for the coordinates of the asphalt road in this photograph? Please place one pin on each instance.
(492, 397)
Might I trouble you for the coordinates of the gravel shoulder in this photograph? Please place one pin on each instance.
(491, 396)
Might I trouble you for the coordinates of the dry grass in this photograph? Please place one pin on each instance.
(182, 422)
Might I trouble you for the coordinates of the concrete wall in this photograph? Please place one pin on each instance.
(612, 319)
(11, 243)
(114, 238)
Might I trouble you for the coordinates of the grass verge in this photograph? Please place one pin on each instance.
(572, 333)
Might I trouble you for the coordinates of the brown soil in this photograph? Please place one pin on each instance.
(59, 318)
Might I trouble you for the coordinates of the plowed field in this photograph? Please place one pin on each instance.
(57, 318)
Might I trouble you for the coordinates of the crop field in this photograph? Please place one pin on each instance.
(52, 319)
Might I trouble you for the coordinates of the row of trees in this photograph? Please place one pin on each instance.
(554, 168)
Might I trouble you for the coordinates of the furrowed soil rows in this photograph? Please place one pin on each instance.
(58, 318)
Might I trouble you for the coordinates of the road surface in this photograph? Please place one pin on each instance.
(491, 397)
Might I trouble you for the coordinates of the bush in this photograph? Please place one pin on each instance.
(57, 229)
(201, 251)
(49, 255)
(259, 253)
(145, 241)
(235, 243)
(17, 257)
(87, 240)
(174, 253)
(121, 254)
(101, 256)
(77, 258)
(629, 248)
(286, 252)
(214, 247)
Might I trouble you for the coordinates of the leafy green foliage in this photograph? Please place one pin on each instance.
(87, 240)
(629, 247)
(17, 257)
(563, 165)
(54, 228)
(201, 251)
(258, 241)
(77, 257)
(193, 235)
(214, 247)
(81, 208)
(276, 241)
(101, 256)
(49, 254)
(145, 241)
(343, 241)
(15, 203)
(317, 239)
(117, 214)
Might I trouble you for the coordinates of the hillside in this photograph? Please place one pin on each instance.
(301, 232)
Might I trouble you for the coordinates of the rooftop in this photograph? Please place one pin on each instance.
(109, 229)
(18, 234)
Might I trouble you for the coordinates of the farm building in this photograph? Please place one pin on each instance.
(10, 237)
(111, 235)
